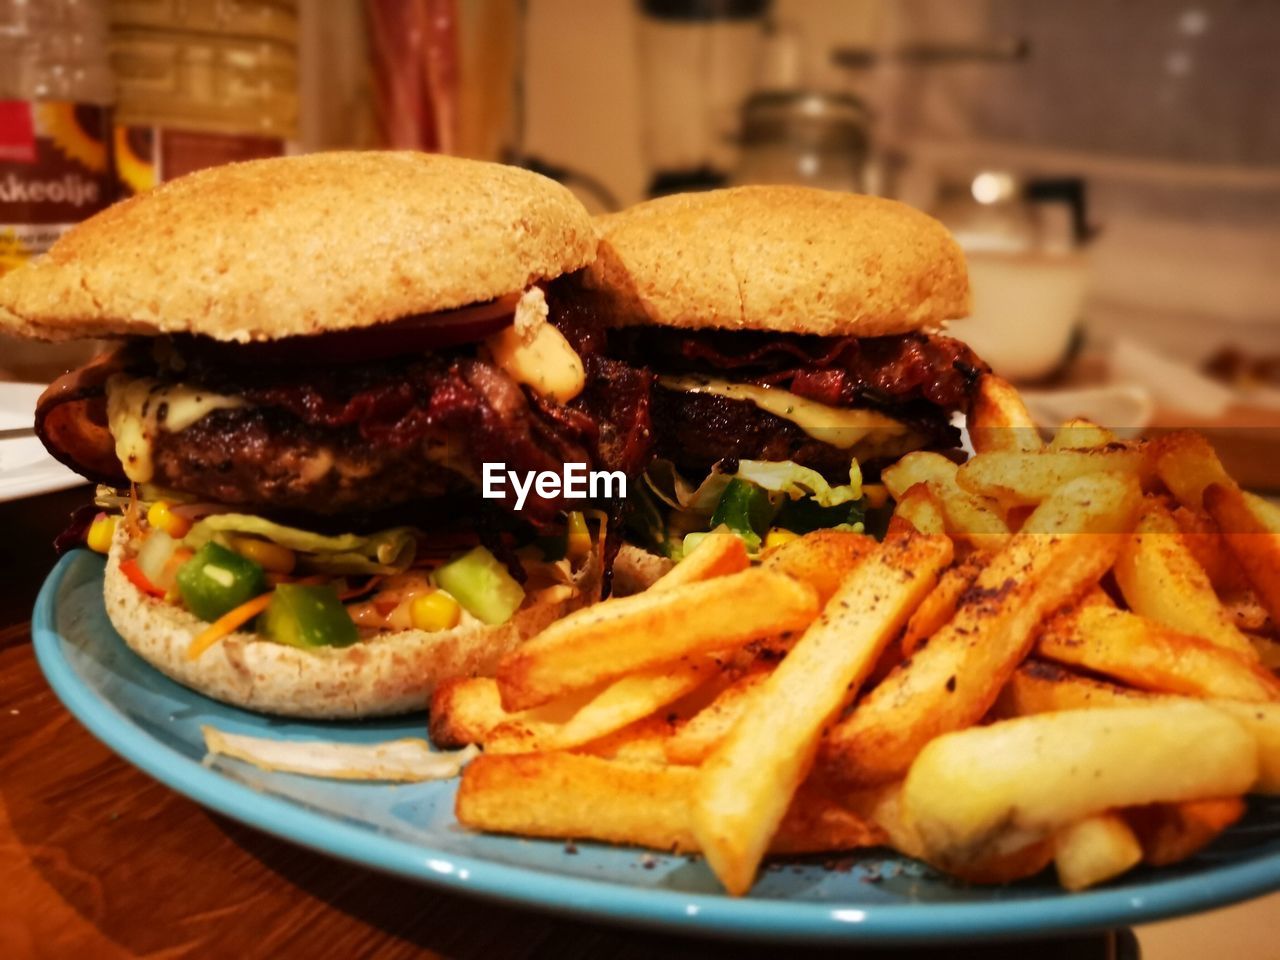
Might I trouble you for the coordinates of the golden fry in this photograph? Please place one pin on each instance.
(1000, 421)
(1094, 850)
(1161, 580)
(611, 639)
(954, 680)
(1152, 657)
(746, 785)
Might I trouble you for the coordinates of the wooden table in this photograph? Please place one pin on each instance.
(98, 860)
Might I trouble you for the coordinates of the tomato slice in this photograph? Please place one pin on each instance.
(417, 334)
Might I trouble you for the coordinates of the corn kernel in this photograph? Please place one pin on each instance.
(101, 532)
(578, 546)
(269, 556)
(434, 611)
(161, 517)
(777, 536)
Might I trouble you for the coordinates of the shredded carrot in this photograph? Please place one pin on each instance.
(229, 622)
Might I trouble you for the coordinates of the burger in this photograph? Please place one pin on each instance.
(794, 337)
(312, 360)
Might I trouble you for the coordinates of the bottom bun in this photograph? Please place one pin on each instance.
(636, 569)
(388, 674)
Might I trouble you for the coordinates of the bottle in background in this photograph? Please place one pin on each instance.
(201, 84)
(56, 93)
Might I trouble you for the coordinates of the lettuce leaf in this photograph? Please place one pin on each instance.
(387, 551)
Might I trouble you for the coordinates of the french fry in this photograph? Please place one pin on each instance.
(1081, 434)
(1268, 652)
(1016, 781)
(1161, 580)
(720, 553)
(1026, 479)
(601, 643)
(1187, 465)
(693, 740)
(1172, 832)
(618, 705)
(1094, 850)
(966, 516)
(575, 796)
(1252, 536)
(940, 605)
(1040, 687)
(1206, 543)
(746, 785)
(822, 558)
(1065, 547)
(464, 711)
(643, 742)
(1153, 657)
(919, 510)
(999, 420)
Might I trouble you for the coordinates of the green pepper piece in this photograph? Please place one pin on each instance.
(306, 615)
(807, 515)
(482, 585)
(746, 510)
(217, 580)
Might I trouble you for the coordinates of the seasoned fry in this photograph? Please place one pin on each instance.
(747, 783)
(1250, 533)
(1016, 781)
(918, 509)
(1040, 687)
(1268, 652)
(999, 420)
(1150, 656)
(1094, 850)
(1161, 580)
(1207, 545)
(940, 605)
(574, 796)
(649, 629)
(1172, 832)
(1081, 434)
(720, 553)
(966, 516)
(694, 740)
(1022, 479)
(954, 680)
(822, 558)
(464, 711)
(1186, 464)
(618, 705)
(642, 742)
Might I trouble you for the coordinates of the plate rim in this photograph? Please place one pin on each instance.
(697, 914)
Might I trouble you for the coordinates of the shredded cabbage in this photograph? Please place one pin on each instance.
(387, 551)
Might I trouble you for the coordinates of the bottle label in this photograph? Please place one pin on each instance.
(54, 172)
(147, 155)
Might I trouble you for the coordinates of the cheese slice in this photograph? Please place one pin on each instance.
(137, 408)
(840, 427)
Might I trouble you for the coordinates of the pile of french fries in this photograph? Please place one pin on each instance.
(1061, 653)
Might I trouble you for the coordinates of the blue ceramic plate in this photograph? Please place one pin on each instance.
(410, 830)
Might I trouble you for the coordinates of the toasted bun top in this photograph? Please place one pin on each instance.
(787, 259)
(299, 245)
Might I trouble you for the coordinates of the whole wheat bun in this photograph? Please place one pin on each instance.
(780, 258)
(299, 245)
(390, 674)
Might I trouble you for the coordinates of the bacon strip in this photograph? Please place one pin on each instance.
(71, 420)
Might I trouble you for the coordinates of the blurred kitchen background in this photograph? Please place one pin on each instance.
(1112, 167)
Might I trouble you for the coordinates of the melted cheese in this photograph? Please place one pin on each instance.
(533, 352)
(138, 408)
(837, 426)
